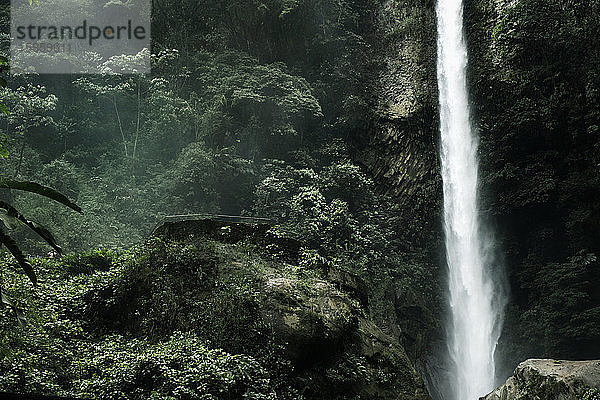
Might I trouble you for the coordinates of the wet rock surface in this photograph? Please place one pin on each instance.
(546, 379)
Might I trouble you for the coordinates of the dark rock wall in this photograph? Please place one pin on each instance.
(402, 155)
(535, 90)
(534, 85)
(402, 151)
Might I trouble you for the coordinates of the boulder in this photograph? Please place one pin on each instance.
(551, 380)
(335, 349)
(311, 316)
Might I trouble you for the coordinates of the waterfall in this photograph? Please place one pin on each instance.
(475, 314)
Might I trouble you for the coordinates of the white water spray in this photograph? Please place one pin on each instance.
(475, 317)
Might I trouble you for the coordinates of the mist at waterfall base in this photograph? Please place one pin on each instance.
(476, 304)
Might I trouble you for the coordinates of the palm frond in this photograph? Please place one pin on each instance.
(41, 190)
(5, 300)
(11, 217)
(14, 249)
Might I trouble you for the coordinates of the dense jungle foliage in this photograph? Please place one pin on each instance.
(262, 108)
(251, 109)
(200, 319)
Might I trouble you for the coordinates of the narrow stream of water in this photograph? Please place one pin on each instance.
(475, 318)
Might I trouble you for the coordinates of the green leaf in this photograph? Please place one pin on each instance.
(11, 217)
(5, 300)
(3, 151)
(14, 249)
(41, 190)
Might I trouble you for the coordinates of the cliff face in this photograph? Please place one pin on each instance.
(401, 153)
(402, 149)
(535, 91)
(535, 85)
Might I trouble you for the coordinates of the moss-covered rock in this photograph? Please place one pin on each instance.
(551, 380)
(312, 318)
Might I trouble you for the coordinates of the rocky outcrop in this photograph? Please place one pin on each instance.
(315, 315)
(551, 380)
(338, 352)
(402, 152)
(311, 317)
(388, 358)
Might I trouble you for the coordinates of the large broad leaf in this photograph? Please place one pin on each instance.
(11, 218)
(5, 300)
(41, 190)
(14, 249)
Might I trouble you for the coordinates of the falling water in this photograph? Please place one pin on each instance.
(475, 317)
